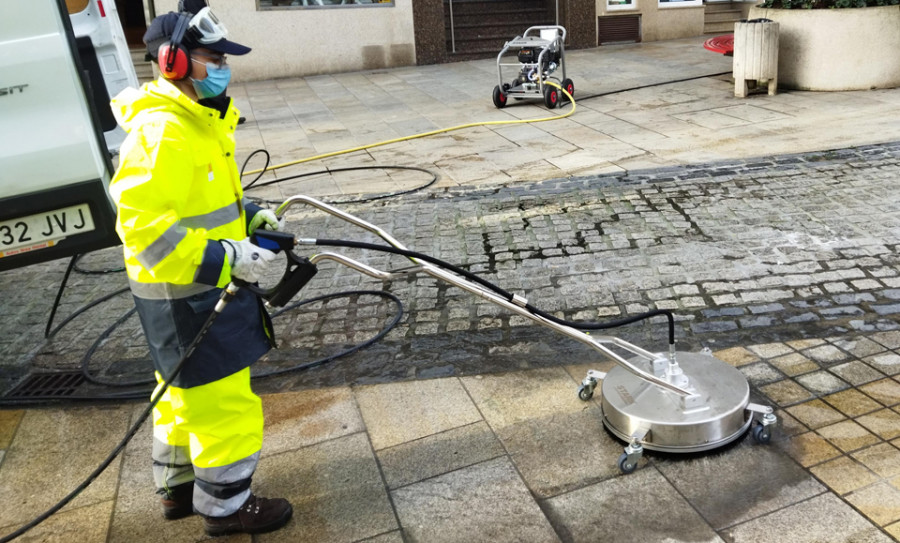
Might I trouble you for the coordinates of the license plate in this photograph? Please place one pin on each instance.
(42, 230)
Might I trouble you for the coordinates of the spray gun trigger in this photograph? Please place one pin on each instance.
(272, 240)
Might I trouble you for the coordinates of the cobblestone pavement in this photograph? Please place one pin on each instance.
(744, 251)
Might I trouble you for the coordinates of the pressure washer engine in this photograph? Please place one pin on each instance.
(539, 53)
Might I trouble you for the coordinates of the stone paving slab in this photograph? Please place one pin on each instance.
(485, 502)
(9, 421)
(744, 483)
(562, 452)
(89, 523)
(50, 451)
(556, 441)
(625, 509)
(298, 419)
(438, 453)
(822, 519)
(130, 519)
(403, 412)
(335, 487)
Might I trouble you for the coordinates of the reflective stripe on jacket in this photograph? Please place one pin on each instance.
(178, 191)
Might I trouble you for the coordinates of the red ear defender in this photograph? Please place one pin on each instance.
(174, 61)
(173, 57)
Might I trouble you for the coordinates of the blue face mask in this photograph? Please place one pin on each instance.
(215, 83)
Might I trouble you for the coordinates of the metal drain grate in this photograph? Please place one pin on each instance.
(56, 385)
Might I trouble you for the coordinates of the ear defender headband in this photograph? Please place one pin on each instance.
(174, 58)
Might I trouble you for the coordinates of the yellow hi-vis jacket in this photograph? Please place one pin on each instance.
(177, 188)
(178, 192)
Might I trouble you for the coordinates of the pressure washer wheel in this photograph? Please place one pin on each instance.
(551, 97)
(499, 97)
(569, 86)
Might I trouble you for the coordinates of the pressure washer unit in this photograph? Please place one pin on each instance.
(539, 53)
(677, 402)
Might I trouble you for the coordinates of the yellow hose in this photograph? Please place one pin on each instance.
(424, 134)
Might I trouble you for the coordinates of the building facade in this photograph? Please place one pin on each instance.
(293, 38)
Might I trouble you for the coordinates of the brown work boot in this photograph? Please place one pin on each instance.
(177, 502)
(256, 516)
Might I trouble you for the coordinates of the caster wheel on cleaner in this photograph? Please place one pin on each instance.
(625, 466)
(762, 434)
(585, 393)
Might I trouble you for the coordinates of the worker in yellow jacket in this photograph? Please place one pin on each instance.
(184, 224)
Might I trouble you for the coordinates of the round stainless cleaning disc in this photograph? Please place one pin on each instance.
(714, 418)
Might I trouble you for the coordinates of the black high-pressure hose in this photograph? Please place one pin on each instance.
(253, 182)
(257, 374)
(505, 294)
(73, 265)
(50, 331)
(649, 85)
(227, 295)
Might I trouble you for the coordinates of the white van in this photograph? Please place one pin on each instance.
(56, 127)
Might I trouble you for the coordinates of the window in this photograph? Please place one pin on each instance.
(267, 4)
(679, 3)
(616, 5)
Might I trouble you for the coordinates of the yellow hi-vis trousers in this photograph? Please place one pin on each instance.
(210, 434)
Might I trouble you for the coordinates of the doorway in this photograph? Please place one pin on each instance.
(134, 22)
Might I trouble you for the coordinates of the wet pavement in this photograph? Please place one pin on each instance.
(772, 237)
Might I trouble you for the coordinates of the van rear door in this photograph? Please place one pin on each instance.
(103, 52)
(54, 164)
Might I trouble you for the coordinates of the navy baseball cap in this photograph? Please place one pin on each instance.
(204, 31)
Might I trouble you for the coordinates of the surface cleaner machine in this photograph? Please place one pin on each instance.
(539, 53)
(677, 402)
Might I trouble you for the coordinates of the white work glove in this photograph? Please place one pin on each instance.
(248, 261)
(268, 218)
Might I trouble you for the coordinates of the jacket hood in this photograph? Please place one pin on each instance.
(129, 105)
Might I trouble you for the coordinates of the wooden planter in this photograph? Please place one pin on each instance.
(837, 49)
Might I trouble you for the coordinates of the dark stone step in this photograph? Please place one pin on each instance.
(501, 32)
(519, 17)
(481, 37)
(484, 48)
(461, 56)
(483, 7)
(496, 13)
